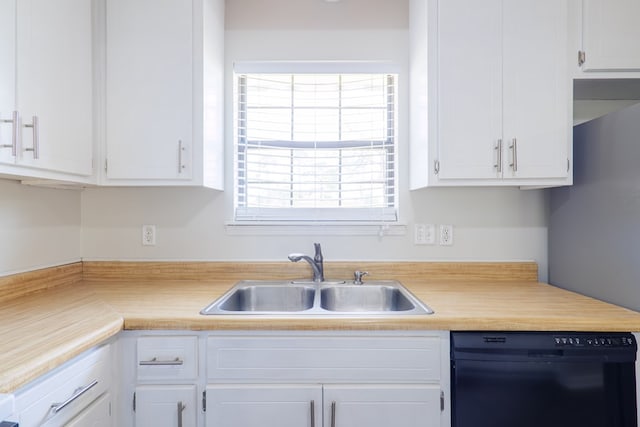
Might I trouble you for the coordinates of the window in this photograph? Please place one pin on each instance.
(315, 147)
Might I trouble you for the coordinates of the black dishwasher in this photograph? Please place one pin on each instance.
(550, 379)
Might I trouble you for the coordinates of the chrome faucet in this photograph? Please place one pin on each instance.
(315, 262)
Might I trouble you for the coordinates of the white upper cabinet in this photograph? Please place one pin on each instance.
(164, 92)
(46, 89)
(7, 81)
(610, 34)
(490, 84)
(536, 91)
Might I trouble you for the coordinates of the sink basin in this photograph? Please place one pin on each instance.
(364, 298)
(331, 298)
(264, 298)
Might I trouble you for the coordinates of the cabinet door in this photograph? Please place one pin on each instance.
(250, 405)
(7, 78)
(165, 406)
(537, 123)
(149, 89)
(55, 84)
(610, 35)
(98, 414)
(382, 405)
(469, 76)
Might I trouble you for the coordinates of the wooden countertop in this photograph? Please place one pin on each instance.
(43, 330)
(50, 325)
(458, 305)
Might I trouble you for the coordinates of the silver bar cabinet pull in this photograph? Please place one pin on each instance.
(35, 125)
(180, 152)
(498, 149)
(181, 408)
(514, 154)
(57, 407)
(155, 362)
(14, 133)
(333, 414)
(312, 407)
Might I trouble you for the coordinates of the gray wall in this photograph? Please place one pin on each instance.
(594, 226)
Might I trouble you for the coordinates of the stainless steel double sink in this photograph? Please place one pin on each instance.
(309, 298)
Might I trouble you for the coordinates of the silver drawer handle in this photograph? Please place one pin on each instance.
(498, 149)
(514, 154)
(312, 407)
(35, 125)
(181, 165)
(333, 414)
(14, 133)
(181, 408)
(155, 362)
(57, 407)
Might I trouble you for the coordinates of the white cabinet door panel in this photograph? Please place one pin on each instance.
(252, 405)
(55, 83)
(469, 87)
(98, 414)
(536, 89)
(382, 405)
(7, 77)
(149, 101)
(164, 405)
(610, 35)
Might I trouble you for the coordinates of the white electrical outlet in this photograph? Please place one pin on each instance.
(424, 234)
(446, 235)
(148, 235)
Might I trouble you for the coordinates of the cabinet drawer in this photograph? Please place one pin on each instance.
(166, 358)
(98, 414)
(323, 358)
(66, 392)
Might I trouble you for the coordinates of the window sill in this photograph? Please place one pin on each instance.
(314, 229)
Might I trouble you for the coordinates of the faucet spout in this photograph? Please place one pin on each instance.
(315, 262)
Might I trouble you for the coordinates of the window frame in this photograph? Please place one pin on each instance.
(389, 213)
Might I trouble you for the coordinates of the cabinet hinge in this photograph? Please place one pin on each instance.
(436, 167)
(204, 401)
(441, 401)
(568, 164)
(105, 165)
(582, 57)
(134, 402)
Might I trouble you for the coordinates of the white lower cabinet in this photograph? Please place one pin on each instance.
(161, 380)
(258, 405)
(75, 394)
(283, 378)
(329, 405)
(327, 379)
(98, 414)
(381, 405)
(165, 405)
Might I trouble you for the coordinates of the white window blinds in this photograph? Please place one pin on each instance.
(315, 147)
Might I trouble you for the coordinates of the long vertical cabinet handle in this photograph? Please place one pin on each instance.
(498, 149)
(333, 414)
(14, 133)
(514, 154)
(35, 125)
(181, 165)
(312, 407)
(181, 408)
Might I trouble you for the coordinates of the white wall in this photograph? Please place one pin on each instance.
(38, 227)
(490, 224)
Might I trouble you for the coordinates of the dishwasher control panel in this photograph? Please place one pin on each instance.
(593, 341)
